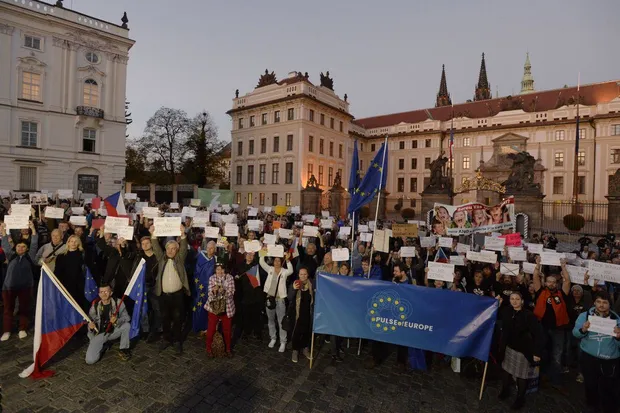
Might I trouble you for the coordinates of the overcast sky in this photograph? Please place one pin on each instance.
(386, 55)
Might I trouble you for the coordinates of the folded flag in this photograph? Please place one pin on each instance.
(115, 205)
(253, 276)
(57, 318)
(135, 290)
(90, 287)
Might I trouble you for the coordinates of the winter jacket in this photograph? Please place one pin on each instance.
(595, 344)
(19, 272)
(285, 271)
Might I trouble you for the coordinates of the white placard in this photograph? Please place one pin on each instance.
(310, 231)
(216, 217)
(113, 224)
(528, 268)
(139, 205)
(535, 248)
(251, 246)
(509, 269)
(200, 222)
(407, 252)
(270, 239)
(231, 230)
(275, 251)
(195, 202)
(366, 237)
(229, 219)
(462, 248)
(166, 226)
(254, 224)
(603, 271)
(495, 234)
(308, 218)
(457, 259)
(64, 193)
(21, 209)
(212, 232)
(440, 271)
(296, 210)
(174, 205)
(340, 254)
(577, 275)
(326, 223)
(188, 212)
(362, 228)
(344, 231)
(252, 212)
(481, 257)
(131, 195)
(267, 209)
(602, 325)
(551, 258)
(78, 220)
(381, 241)
(173, 214)
(54, 213)
(126, 233)
(570, 256)
(428, 242)
(445, 242)
(285, 233)
(494, 243)
(325, 214)
(150, 212)
(77, 210)
(16, 222)
(517, 254)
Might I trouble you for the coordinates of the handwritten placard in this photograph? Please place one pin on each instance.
(308, 218)
(602, 325)
(166, 226)
(344, 231)
(362, 228)
(517, 254)
(494, 243)
(188, 212)
(231, 230)
(551, 258)
(462, 248)
(481, 257)
(78, 220)
(310, 231)
(174, 205)
(270, 239)
(509, 269)
(445, 242)
(528, 268)
(77, 210)
(255, 224)
(604, 271)
(150, 212)
(252, 212)
(212, 232)
(275, 251)
(457, 259)
(381, 241)
(132, 195)
(366, 237)
(200, 222)
(577, 275)
(251, 246)
(404, 230)
(427, 242)
(113, 224)
(407, 252)
(22, 209)
(326, 223)
(54, 213)
(16, 222)
(340, 254)
(285, 233)
(535, 248)
(440, 271)
(125, 233)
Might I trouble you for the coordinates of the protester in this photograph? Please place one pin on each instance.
(301, 302)
(221, 307)
(275, 288)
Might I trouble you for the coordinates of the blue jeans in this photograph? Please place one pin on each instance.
(93, 353)
(555, 346)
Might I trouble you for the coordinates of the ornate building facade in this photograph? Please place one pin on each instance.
(62, 99)
(486, 130)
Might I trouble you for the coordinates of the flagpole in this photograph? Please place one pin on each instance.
(450, 145)
(576, 161)
(374, 231)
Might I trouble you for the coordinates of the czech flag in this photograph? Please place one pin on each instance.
(252, 274)
(57, 318)
(115, 205)
(441, 256)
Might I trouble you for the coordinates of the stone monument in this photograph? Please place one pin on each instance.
(311, 197)
(613, 199)
(439, 188)
(338, 204)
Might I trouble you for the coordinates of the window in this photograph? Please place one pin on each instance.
(427, 181)
(581, 158)
(414, 144)
(250, 198)
(341, 126)
(275, 172)
(31, 86)
(27, 178)
(427, 163)
(340, 173)
(263, 145)
(287, 198)
(320, 174)
(401, 145)
(240, 125)
(289, 142)
(251, 148)
(581, 185)
(310, 143)
(311, 115)
(276, 116)
(427, 143)
(558, 185)
(274, 199)
(239, 174)
(582, 133)
(321, 145)
(32, 42)
(413, 203)
(331, 149)
(91, 93)
(240, 148)
(92, 57)
(238, 198)
(413, 184)
(372, 147)
(288, 173)
(401, 184)
(451, 164)
(559, 135)
(310, 170)
(250, 174)
(361, 147)
(615, 156)
(559, 159)
(465, 162)
(331, 123)
(29, 134)
(361, 166)
(252, 121)
(615, 130)
(261, 198)
(276, 144)
(291, 114)
(401, 164)
(89, 140)
(340, 148)
(330, 176)
(88, 184)
(322, 119)
(262, 173)
(414, 163)
(466, 141)
(263, 120)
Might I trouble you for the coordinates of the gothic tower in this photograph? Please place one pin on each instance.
(527, 83)
(483, 88)
(443, 97)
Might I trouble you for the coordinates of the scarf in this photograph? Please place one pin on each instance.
(561, 315)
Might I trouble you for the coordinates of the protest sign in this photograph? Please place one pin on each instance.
(404, 230)
(78, 220)
(445, 242)
(509, 269)
(517, 254)
(473, 217)
(512, 240)
(428, 242)
(362, 228)
(407, 252)
(275, 251)
(381, 240)
(551, 258)
(457, 259)
(462, 248)
(150, 212)
(366, 237)
(54, 213)
(231, 230)
(16, 222)
(535, 248)
(481, 257)
(38, 199)
(340, 254)
(200, 222)
(285, 233)
(494, 244)
(310, 231)
(125, 233)
(77, 210)
(603, 271)
(326, 223)
(166, 226)
(251, 246)
(270, 239)
(112, 224)
(440, 271)
(132, 195)
(602, 325)
(22, 210)
(212, 232)
(528, 268)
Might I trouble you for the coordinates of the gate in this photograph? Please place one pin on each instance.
(595, 214)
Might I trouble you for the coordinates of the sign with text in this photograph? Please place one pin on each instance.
(404, 230)
(166, 226)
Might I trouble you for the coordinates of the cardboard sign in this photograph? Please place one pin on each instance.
(310, 231)
(54, 213)
(16, 222)
(212, 232)
(440, 271)
(509, 269)
(275, 251)
(340, 254)
(78, 220)
(404, 230)
(280, 210)
(251, 246)
(166, 226)
(512, 240)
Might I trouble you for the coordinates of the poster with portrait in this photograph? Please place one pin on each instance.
(454, 220)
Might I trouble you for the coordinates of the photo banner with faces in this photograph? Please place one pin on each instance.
(453, 220)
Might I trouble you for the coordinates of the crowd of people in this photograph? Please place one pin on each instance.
(545, 322)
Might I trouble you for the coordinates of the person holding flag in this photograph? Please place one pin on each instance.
(250, 297)
(205, 268)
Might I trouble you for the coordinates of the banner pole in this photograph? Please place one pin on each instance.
(312, 351)
(484, 376)
(359, 348)
(374, 231)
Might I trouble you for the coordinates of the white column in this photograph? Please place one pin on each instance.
(72, 81)
(108, 86)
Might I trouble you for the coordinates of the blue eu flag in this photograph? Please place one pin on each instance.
(204, 270)
(373, 181)
(90, 287)
(136, 291)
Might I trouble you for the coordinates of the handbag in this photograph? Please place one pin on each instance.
(287, 323)
(218, 304)
(271, 300)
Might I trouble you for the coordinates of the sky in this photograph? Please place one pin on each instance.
(386, 55)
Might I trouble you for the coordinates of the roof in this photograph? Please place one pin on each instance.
(532, 102)
(225, 152)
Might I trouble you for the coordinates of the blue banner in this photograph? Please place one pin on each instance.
(447, 322)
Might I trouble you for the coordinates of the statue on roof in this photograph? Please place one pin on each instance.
(327, 81)
(237, 93)
(267, 79)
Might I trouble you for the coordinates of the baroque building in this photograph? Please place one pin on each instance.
(62, 99)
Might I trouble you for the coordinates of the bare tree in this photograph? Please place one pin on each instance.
(203, 165)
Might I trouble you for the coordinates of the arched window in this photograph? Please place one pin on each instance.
(91, 93)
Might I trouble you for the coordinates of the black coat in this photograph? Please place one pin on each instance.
(522, 332)
(119, 267)
(70, 272)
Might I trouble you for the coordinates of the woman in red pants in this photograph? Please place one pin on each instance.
(220, 306)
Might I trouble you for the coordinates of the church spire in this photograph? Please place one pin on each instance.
(483, 88)
(527, 83)
(443, 97)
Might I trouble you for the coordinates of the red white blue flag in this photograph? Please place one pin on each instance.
(115, 205)
(253, 276)
(57, 318)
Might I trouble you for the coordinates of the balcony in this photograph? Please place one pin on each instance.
(89, 111)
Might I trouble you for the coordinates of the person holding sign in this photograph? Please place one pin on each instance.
(301, 301)
(599, 331)
(221, 307)
(69, 271)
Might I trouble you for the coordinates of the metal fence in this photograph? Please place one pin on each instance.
(595, 214)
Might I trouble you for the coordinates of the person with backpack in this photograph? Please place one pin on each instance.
(18, 282)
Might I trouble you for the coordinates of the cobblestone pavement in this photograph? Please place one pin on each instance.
(257, 379)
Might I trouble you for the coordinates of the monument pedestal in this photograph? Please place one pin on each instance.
(532, 206)
(337, 204)
(311, 200)
(429, 200)
(382, 206)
